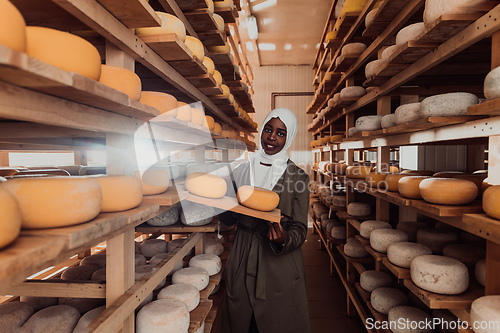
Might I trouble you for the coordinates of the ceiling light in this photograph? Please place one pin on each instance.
(288, 46)
(267, 46)
(249, 46)
(253, 31)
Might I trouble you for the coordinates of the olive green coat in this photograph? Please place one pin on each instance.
(265, 278)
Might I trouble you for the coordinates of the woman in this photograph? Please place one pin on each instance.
(265, 286)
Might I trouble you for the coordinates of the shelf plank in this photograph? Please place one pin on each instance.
(379, 317)
(205, 293)
(387, 12)
(363, 241)
(344, 216)
(411, 52)
(438, 301)
(212, 38)
(442, 210)
(217, 278)
(198, 315)
(447, 26)
(132, 13)
(192, 4)
(355, 223)
(365, 296)
(168, 46)
(229, 15)
(399, 272)
(221, 59)
(168, 198)
(203, 81)
(375, 254)
(191, 67)
(487, 108)
(216, 90)
(484, 226)
(57, 288)
(177, 228)
(201, 20)
(429, 122)
(346, 22)
(343, 62)
(397, 199)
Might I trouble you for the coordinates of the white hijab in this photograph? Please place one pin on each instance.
(264, 176)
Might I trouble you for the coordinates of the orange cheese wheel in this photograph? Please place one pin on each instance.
(418, 172)
(217, 77)
(184, 112)
(12, 27)
(196, 46)
(169, 24)
(165, 103)
(121, 79)
(209, 64)
(448, 191)
(10, 223)
(338, 168)
(226, 134)
(154, 181)
(392, 181)
(219, 22)
(408, 187)
(477, 179)
(206, 185)
(357, 171)
(225, 90)
(491, 201)
(63, 50)
(50, 202)
(210, 122)
(220, 49)
(231, 99)
(233, 135)
(197, 116)
(258, 198)
(217, 128)
(119, 192)
(210, 5)
(376, 179)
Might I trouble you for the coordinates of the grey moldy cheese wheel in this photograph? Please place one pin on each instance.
(408, 314)
(79, 273)
(389, 120)
(401, 254)
(448, 191)
(57, 318)
(392, 181)
(407, 112)
(411, 229)
(95, 260)
(485, 309)
(448, 105)
(213, 247)
(439, 274)
(338, 232)
(333, 223)
(369, 123)
(468, 254)
(186, 293)
(163, 316)
(383, 299)
(480, 272)
(436, 238)
(339, 201)
(13, 315)
(371, 280)
(380, 239)
(39, 303)
(151, 247)
(366, 227)
(354, 249)
(358, 209)
(409, 33)
(196, 276)
(492, 84)
(87, 318)
(167, 218)
(194, 214)
(139, 259)
(210, 262)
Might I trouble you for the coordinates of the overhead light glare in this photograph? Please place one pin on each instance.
(253, 31)
(267, 46)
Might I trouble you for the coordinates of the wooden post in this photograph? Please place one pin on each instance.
(492, 268)
(495, 50)
(384, 105)
(349, 122)
(383, 165)
(475, 158)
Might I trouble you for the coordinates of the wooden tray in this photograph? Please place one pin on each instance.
(346, 61)
(447, 26)
(132, 13)
(375, 254)
(399, 272)
(177, 228)
(346, 21)
(168, 46)
(487, 108)
(387, 12)
(351, 260)
(201, 20)
(199, 314)
(168, 198)
(191, 67)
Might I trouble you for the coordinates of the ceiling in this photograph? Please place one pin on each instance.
(289, 30)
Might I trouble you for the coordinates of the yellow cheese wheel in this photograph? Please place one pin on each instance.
(205, 123)
(211, 122)
(10, 223)
(225, 133)
(197, 116)
(196, 46)
(210, 5)
(63, 50)
(408, 186)
(331, 35)
(224, 4)
(233, 135)
(217, 77)
(231, 98)
(352, 6)
(119, 192)
(184, 112)
(376, 179)
(165, 103)
(49, 202)
(206, 185)
(219, 22)
(12, 27)
(258, 198)
(336, 138)
(357, 171)
(225, 90)
(217, 128)
(209, 64)
(121, 79)
(418, 172)
(392, 181)
(221, 48)
(338, 168)
(448, 191)
(169, 24)
(491, 201)
(154, 181)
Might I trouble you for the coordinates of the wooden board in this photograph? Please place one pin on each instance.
(487, 108)
(328, 85)
(205, 293)
(203, 81)
(132, 13)
(397, 199)
(447, 26)
(429, 122)
(221, 58)
(363, 241)
(379, 317)
(345, 61)
(217, 90)
(168, 198)
(192, 4)
(365, 296)
(212, 38)
(484, 226)
(387, 12)
(411, 52)
(355, 223)
(189, 67)
(399, 272)
(346, 21)
(229, 15)
(168, 46)
(201, 20)
(344, 216)
(442, 210)
(198, 315)
(375, 254)
(220, 100)
(177, 228)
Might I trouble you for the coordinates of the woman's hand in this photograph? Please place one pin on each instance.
(276, 232)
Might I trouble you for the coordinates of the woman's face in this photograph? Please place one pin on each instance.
(273, 137)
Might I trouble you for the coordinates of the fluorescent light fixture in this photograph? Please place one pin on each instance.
(288, 46)
(267, 21)
(267, 46)
(264, 5)
(249, 46)
(253, 31)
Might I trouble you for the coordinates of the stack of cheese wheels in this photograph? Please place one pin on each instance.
(119, 192)
(402, 254)
(448, 105)
(354, 249)
(470, 255)
(358, 209)
(40, 200)
(57, 318)
(258, 198)
(196, 46)
(142, 271)
(436, 238)
(169, 24)
(13, 315)
(195, 276)
(98, 260)
(209, 262)
(194, 214)
(369, 123)
(411, 229)
(10, 224)
(167, 218)
(154, 181)
(184, 111)
(165, 103)
(438, 274)
(186, 293)
(63, 50)
(480, 272)
(151, 247)
(381, 239)
(407, 113)
(121, 79)
(485, 311)
(383, 299)
(448, 191)
(206, 185)
(79, 273)
(87, 318)
(371, 280)
(13, 27)
(376, 179)
(163, 316)
(409, 33)
(408, 314)
(408, 187)
(357, 171)
(366, 227)
(491, 197)
(340, 168)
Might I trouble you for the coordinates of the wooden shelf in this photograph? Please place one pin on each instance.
(442, 210)
(365, 296)
(212, 38)
(345, 61)
(199, 314)
(400, 272)
(229, 15)
(487, 108)
(201, 20)
(177, 228)
(191, 67)
(205, 293)
(346, 22)
(168, 46)
(192, 4)
(387, 12)
(447, 26)
(379, 317)
(375, 254)
(363, 241)
(168, 198)
(355, 223)
(344, 216)
(484, 226)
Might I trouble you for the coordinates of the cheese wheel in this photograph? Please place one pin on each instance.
(336, 138)
(468, 254)
(491, 198)
(63, 50)
(358, 209)
(195, 276)
(358, 172)
(218, 169)
(388, 52)
(436, 238)
(339, 201)
(206, 185)
(370, 17)
(210, 6)
(448, 191)
(351, 131)
(165, 103)
(39, 303)
(12, 27)
(163, 316)
(354, 249)
(388, 121)
(119, 193)
(209, 64)
(409, 33)
(154, 181)
(57, 318)
(340, 168)
(209, 262)
(366, 227)
(219, 22)
(330, 224)
(383, 299)
(142, 271)
(167, 218)
(436, 8)
(258, 198)
(196, 46)
(369, 123)
(477, 179)
(184, 111)
(372, 280)
(77, 273)
(484, 313)
(352, 92)
(214, 247)
(440, 275)
(40, 200)
(353, 48)
(10, 224)
(87, 318)
(121, 79)
(217, 77)
(210, 122)
(220, 49)
(408, 187)
(224, 4)
(401, 254)
(186, 293)
(411, 229)
(448, 105)
(374, 67)
(173, 244)
(352, 6)
(407, 113)
(197, 116)
(376, 179)
(225, 90)
(13, 315)
(194, 214)
(170, 24)
(98, 260)
(492, 84)
(139, 260)
(404, 314)
(480, 272)
(381, 239)
(152, 247)
(338, 232)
